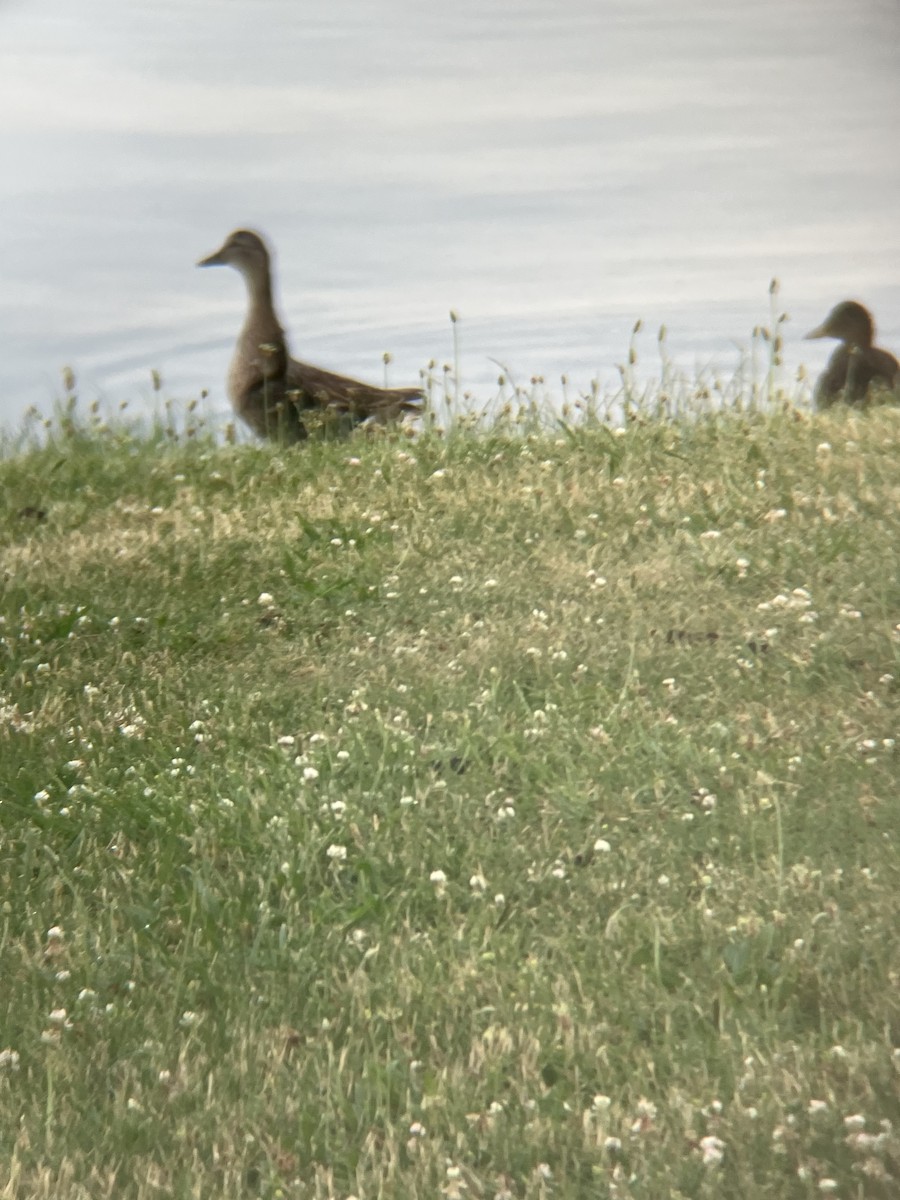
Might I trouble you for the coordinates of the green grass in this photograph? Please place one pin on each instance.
(632, 693)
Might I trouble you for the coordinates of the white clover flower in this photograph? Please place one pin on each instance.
(601, 1103)
(855, 1121)
(438, 878)
(713, 1150)
(477, 882)
(864, 1143)
(828, 1185)
(602, 846)
(337, 853)
(55, 934)
(417, 1129)
(189, 1019)
(9, 1060)
(612, 1145)
(310, 774)
(265, 600)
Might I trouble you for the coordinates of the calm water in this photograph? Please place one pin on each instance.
(550, 174)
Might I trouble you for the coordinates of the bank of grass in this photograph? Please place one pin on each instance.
(471, 816)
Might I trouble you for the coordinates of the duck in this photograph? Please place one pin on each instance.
(857, 363)
(277, 396)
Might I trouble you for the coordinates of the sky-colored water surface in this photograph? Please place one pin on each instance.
(550, 172)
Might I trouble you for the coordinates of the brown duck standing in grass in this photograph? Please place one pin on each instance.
(857, 363)
(277, 396)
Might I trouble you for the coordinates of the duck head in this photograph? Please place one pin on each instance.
(243, 250)
(849, 322)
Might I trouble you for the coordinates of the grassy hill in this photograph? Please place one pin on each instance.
(476, 816)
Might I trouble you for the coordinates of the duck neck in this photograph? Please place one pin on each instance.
(259, 291)
(865, 339)
(861, 335)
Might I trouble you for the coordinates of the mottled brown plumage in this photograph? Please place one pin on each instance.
(857, 364)
(276, 395)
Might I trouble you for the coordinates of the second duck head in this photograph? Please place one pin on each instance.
(850, 323)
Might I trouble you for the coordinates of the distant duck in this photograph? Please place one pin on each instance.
(274, 394)
(857, 363)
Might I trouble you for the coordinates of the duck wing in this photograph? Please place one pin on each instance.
(851, 371)
(286, 400)
(310, 387)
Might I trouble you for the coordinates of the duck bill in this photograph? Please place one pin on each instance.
(214, 260)
(820, 331)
